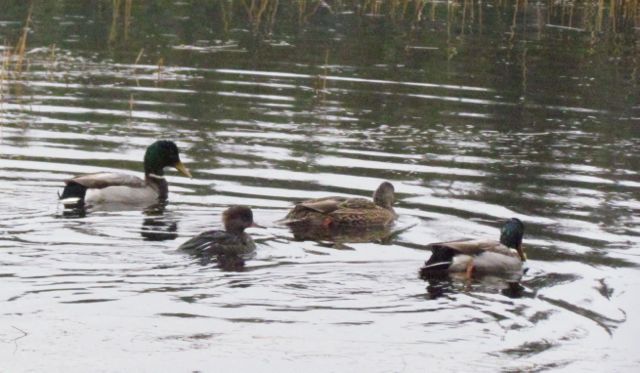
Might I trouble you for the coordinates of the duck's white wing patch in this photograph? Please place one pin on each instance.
(71, 201)
(493, 262)
(459, 263)
(108, 179)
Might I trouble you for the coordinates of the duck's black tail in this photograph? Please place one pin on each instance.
(73, 194)
(439, 262)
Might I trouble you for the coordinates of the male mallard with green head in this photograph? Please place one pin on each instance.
(342, 212)
(109, 187)
(479, 256)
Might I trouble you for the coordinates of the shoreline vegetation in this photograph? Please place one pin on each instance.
(411, 21)
(264, 17)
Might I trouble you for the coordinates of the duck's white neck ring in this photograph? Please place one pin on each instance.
(156, 176)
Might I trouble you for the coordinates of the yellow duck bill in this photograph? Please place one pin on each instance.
(182, 169)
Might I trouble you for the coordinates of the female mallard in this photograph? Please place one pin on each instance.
(228, 247)
(479, 256)
(341, 212)
(106, 187)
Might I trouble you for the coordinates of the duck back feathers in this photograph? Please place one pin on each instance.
(212, 243)
(106, 179)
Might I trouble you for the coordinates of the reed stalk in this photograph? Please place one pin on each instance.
(21, 47)
(127, 18)
(159, 73)
(4, 75)
(113, 31)
(135, 63)
(122, 9)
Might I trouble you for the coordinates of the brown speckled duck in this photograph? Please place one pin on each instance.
(342, 212)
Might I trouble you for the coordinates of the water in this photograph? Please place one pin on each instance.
(475, 116)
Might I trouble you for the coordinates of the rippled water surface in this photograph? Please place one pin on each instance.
(476, 113)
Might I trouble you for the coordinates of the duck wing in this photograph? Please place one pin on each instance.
(358, 204)
(443, 253)
(355, 209)
(362, 215)
(473, 247)
(102, 180)
(322, 205)
(212, 243)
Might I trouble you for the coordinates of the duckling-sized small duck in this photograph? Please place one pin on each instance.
(228, 247)
(342, 212)
(110, 187)
(479, 256)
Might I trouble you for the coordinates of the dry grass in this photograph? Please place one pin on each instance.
(611, 14)
(121, 10)
(21, 47)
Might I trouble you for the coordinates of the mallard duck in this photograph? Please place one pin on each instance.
(342, 212)
(479, 256)
(229, 246)
(109, 187)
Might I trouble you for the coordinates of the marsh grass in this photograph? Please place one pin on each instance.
(159, 71)
(4, 71)
(261, 12)
(121, 10)
(264, 17)
(596, 15)
(321, 79)
(21, 47)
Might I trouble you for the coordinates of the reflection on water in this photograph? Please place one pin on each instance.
(475, 111)
(157, 226)
(302, 232)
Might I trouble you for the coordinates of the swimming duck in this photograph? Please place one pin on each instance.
(110, 187)
(228, 246)
(342, 212)
(479, 256)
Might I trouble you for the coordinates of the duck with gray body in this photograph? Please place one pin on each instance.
(479, 256)
(228, 247)
(109, 187)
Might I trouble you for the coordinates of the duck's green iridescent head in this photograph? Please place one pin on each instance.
(511, 236)
(163, 154)
(384, 195)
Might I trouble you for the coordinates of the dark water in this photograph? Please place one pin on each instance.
(474, 112)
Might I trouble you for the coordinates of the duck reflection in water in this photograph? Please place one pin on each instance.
(453, 283)
(230, 247)
(478, 258)
(75, 212)
(341, 219)
(156, 226)
(338, 236)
